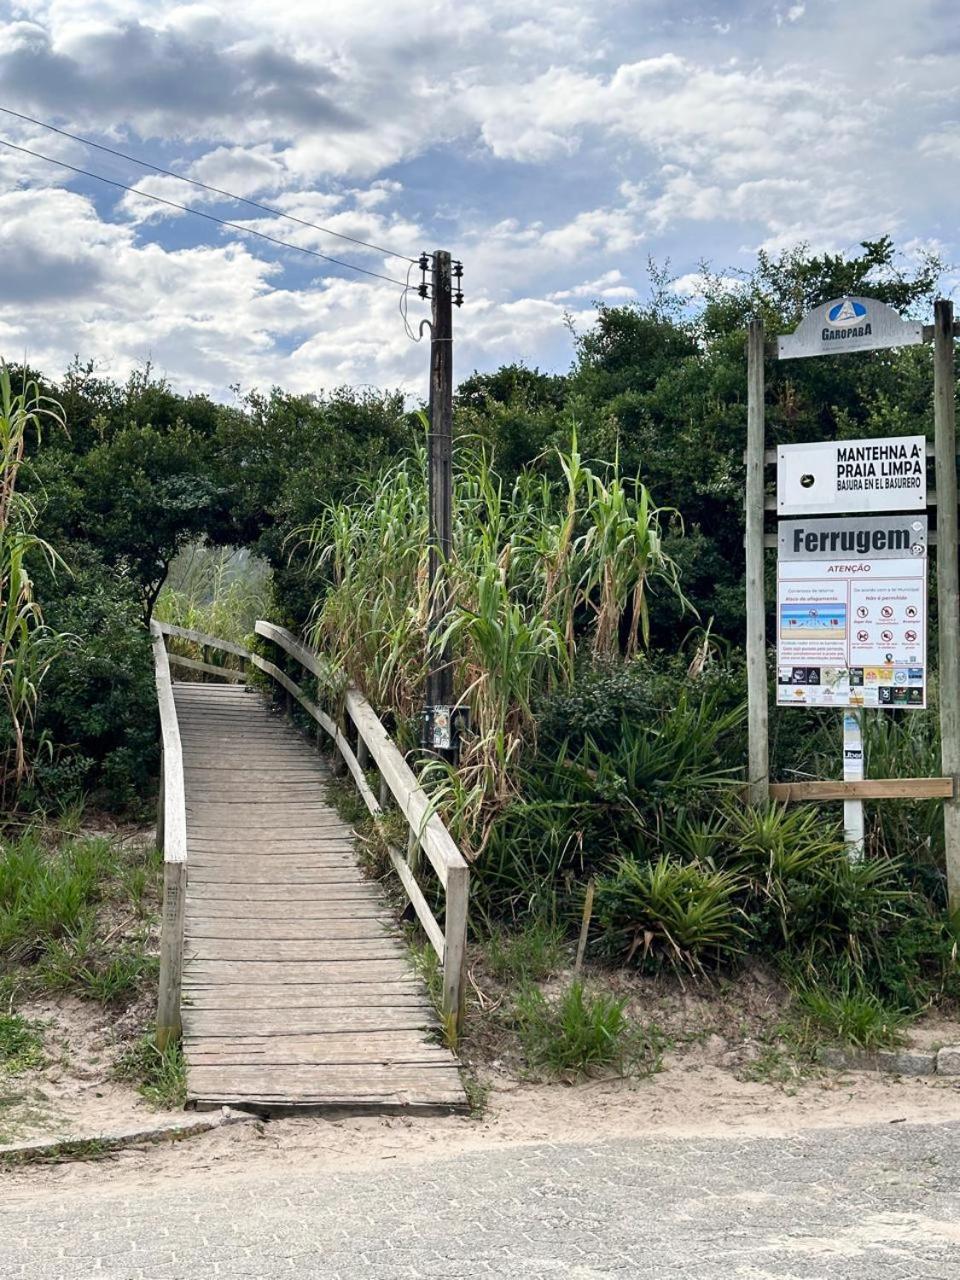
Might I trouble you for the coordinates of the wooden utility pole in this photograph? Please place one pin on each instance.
(759, 769)
(440, 677)
(948, 594)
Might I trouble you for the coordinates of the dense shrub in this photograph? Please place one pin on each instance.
(626, 755)
(671, 912)
(99, 702)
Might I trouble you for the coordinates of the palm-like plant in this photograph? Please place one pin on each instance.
(26, 646)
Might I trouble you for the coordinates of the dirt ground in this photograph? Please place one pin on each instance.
(75, 1091)
(726, 1070)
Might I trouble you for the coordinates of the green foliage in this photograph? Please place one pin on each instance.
(48, 895)
(27, 646)
(681, 914)
(219, 591)
(52, 933)
(529, 954)
(159, 1074)
(536, 574)
(21, 1044)
(99, 703)
(625, 755)
(574, 1033)
(852, 1014)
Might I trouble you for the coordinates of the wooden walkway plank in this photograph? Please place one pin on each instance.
(296, 988)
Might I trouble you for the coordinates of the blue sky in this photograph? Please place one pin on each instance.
(554, 147)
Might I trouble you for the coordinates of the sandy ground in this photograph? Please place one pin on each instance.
(75, 1091)
(687, 1099)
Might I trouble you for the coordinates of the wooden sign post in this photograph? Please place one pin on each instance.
(759, 767)
(897, 483)
(945, 458)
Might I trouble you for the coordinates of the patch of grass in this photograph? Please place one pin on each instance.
(58, 909)
(49, 893)
(342, 793)
(852, 1015)
(69, 1149)
(86, 967)
(530, 954)
(160, 1075)
(669, 912)
(21, 1044)
(478, 1093)
(576, 1033)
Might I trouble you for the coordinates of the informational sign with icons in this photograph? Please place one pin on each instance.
(852, 612)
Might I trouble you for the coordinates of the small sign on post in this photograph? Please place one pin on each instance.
(852, 475)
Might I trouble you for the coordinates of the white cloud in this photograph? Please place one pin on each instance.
(610, 287)
(554, 145)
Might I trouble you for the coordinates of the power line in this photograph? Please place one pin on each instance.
(170, 173)
(199, 213)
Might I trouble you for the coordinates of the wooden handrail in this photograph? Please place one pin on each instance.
(172, 839)
(201, 638)
(426, 829)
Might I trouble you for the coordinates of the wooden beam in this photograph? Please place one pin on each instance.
(758, 772)
(866, 789)
(223, 673)
(201, 638)
(948, 582)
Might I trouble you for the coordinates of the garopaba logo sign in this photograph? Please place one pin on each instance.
(846, 319)
(848, 324)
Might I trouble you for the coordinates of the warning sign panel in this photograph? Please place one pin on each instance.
(851, 627)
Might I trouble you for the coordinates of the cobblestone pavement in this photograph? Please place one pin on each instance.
(878, 1203)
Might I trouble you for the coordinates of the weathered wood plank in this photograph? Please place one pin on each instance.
(309, 914)
(864, 789)
(204, 1024)
(286, 929)
(331, 1048)
(330, 1084)
(255, 973)
(269, 997)
(287, 894)
(264, 951)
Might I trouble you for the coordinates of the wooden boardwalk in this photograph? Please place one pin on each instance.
(296, 989)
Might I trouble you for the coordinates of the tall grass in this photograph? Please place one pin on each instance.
(219, 591)
(539, 572)
(27, 647)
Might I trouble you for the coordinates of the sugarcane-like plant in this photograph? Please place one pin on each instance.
(26, 646)
(538, 572)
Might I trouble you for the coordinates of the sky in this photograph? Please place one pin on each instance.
(555, 148)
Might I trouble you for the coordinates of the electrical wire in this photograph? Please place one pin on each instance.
(199, 213)
(403, 309)
(195, 182)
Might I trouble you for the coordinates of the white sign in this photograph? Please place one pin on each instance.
(848, 324)
(852, 628)
(852, 475)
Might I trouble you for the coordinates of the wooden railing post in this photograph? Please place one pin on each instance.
(455, 948)
(169, 1024)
